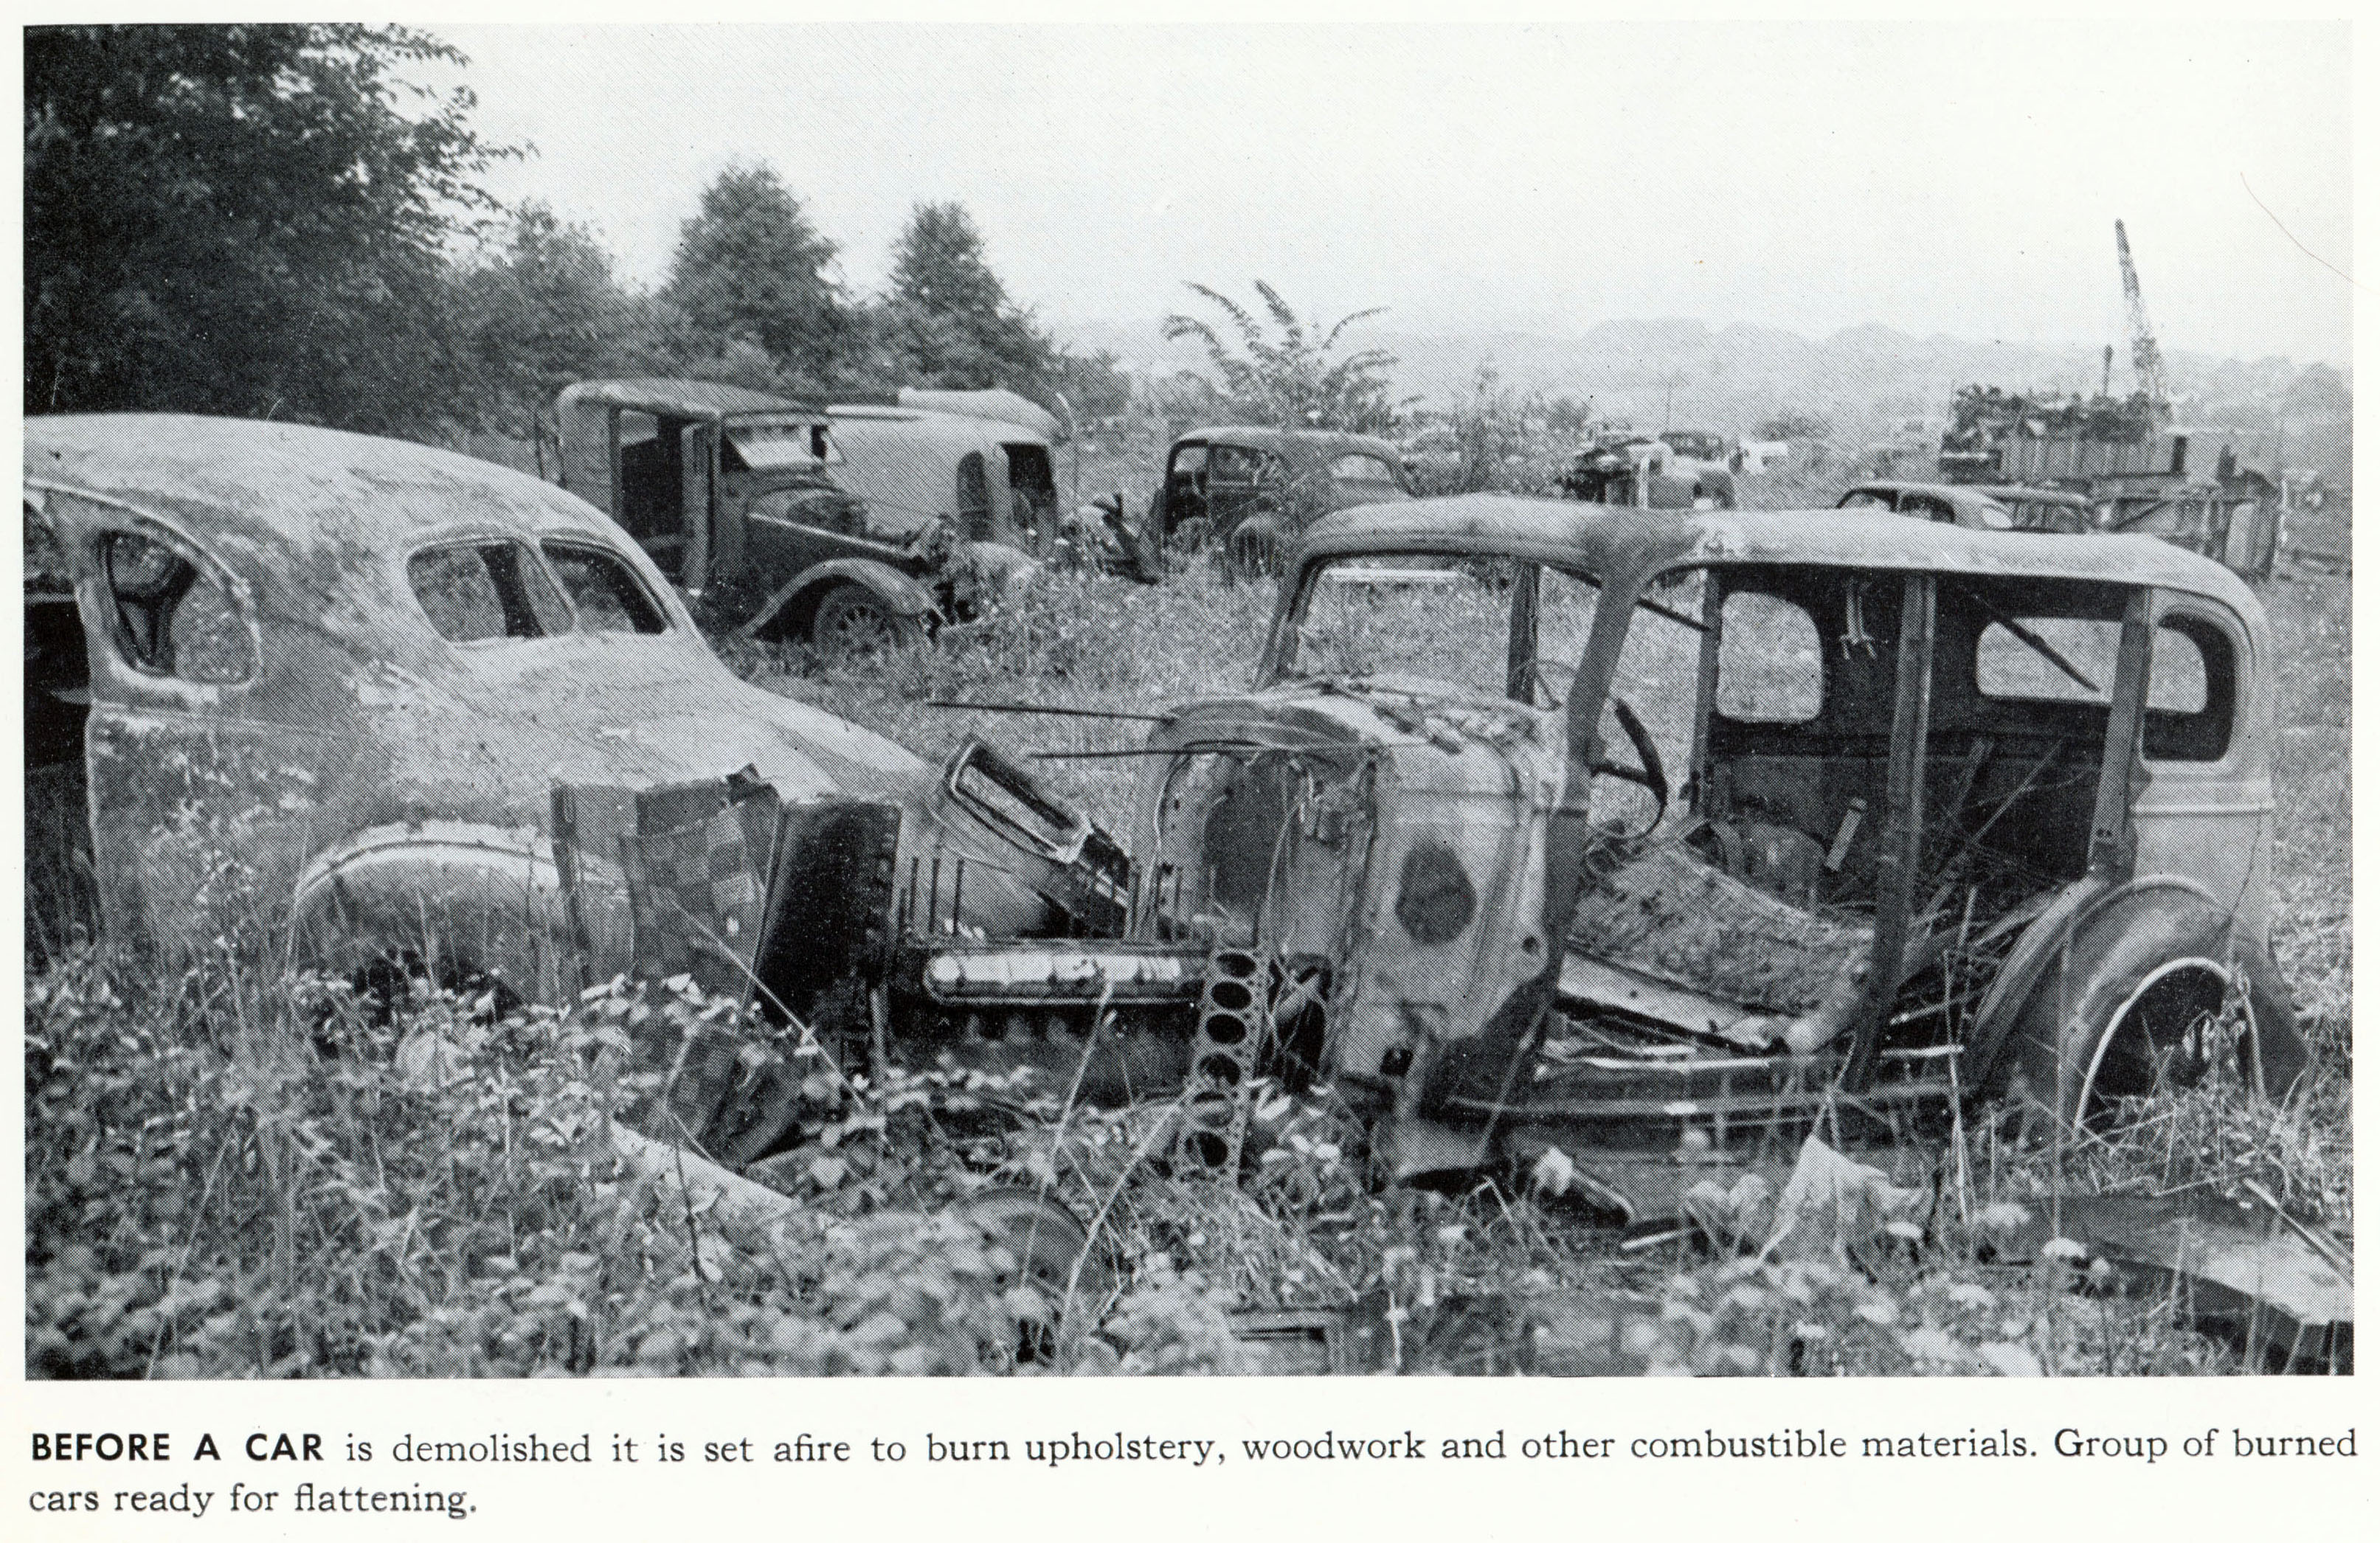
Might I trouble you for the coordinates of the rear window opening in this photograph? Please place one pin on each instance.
(2065, 659)
(604, 591)
(481, 591)
(486, 591)
(764, 446)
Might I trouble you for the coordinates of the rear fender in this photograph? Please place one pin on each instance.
(787, 612)
(461, 900)
(2085, 903)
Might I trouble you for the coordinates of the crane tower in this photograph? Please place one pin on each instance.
(2148, 365)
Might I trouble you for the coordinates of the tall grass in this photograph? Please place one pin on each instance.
(230, 1170)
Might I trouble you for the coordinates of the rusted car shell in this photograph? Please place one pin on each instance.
(1970, 509)
(1308, 454)
(365, 751)
(2200, 833)
(1304, 449)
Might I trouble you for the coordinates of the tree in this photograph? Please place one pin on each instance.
(545, 310)
(1293, 382)
(1094, 384)
(948, 320)
(1795, 424)
(2318, 391)
(247, 219)
(751, 270)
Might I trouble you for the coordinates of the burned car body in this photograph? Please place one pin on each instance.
(346, 684)
(1620, 466)
(1674, 838)
(1253, 491)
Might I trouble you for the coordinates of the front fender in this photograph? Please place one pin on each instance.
(786, 611)
(459, 898)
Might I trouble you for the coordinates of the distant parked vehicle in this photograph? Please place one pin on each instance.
(1620, 466)
(1969, 508)
(1254, 490)
(1757, 457)
(2049, 511)
(751, 505)
(1700, 445)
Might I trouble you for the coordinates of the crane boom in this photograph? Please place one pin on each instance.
(2148, 365)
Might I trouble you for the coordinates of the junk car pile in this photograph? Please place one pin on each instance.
(1643, 832)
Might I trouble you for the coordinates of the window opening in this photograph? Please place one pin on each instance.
(1230, 463)
(485, 591)
(604, 591)
(172, 619)
(975, 497)
(1770, 665)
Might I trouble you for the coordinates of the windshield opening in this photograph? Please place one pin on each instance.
(1423, 620)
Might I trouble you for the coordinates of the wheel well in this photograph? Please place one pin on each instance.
(2167, 1003)
(791, 622)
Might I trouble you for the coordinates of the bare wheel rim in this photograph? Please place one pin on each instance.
(2165, 1034)
(857, 628)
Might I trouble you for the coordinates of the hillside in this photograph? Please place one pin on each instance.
(1862, 379)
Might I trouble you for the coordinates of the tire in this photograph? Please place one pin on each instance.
(2147, 991)
(853, 624)
(1255, 548)
(1046, 1239)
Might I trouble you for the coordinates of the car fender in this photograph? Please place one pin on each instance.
(457, 899)
(2090, 924)
(1257, 546)
(786, 612)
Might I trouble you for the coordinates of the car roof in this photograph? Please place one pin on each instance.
(2017, 493)
(1950, 492)
(677, 398)
(1296, 444)
(290, 487)
(1610, 539)
(919, 430)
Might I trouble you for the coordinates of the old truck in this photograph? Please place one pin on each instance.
(356, 689)
(1663, 837)
(837, 527)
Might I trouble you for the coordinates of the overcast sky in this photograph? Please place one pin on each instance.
(1956, 179)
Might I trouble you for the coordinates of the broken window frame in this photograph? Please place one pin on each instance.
(1280, 661)
(816, 448)
(156, 657)
(524, 621)
(626, 586)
